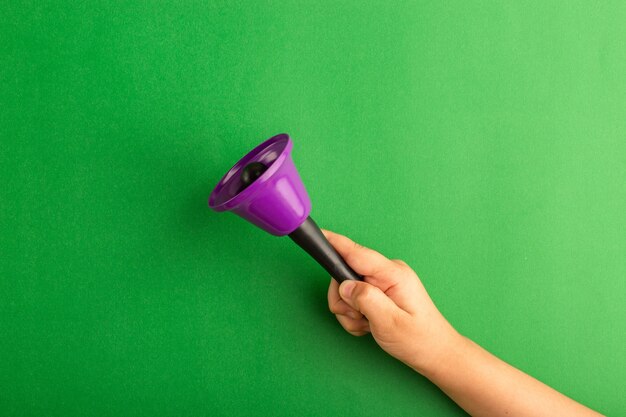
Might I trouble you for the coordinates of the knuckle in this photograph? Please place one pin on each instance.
(353, 314)
(351, 325)
(364, 293)
(397, 321)
(400, 263)
(349, 257)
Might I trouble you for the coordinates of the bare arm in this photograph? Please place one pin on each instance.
(484, 385)
(394, 306)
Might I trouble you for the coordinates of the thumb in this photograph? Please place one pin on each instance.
(374, 304)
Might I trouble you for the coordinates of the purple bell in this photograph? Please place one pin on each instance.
(265, 189)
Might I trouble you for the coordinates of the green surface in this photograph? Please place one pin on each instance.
(483, 144)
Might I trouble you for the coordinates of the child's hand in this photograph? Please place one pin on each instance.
(392, 304)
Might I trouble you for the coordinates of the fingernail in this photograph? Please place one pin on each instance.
(346, 288)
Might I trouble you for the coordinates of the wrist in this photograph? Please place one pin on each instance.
(445, 348)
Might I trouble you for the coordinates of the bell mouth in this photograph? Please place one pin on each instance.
(270, 153)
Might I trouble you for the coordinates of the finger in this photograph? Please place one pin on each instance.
(363, 260)
(377, 269)
(344, 309)
(354, 327)
(336, 305)
(376, 306)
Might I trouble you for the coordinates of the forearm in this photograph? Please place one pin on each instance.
(484, 385)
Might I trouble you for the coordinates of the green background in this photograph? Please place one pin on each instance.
(483, 144)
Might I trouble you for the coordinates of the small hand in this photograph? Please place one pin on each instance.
(391, 303)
